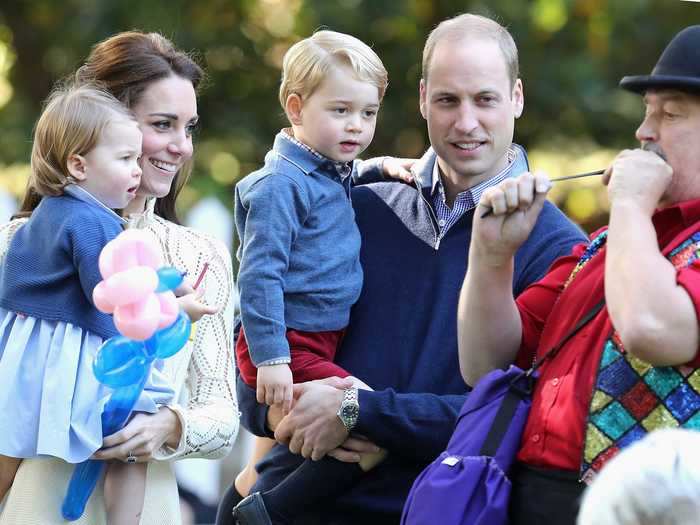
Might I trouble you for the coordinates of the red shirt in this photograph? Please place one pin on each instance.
(554, 433)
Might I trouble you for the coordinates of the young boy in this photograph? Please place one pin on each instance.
(299, 247)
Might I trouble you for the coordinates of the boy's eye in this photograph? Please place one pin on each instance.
(341, 111)
(370, 113)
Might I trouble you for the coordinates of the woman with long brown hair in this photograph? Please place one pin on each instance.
(158, 83)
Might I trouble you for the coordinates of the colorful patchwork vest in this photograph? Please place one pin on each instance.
(632, 397)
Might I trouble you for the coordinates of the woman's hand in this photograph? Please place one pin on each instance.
(142, 436)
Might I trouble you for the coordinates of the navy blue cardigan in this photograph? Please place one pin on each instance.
(51, 265)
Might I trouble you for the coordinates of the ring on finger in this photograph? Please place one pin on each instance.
(131, 458)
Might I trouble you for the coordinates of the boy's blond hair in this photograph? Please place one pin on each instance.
(307, 63)
(71, 123)
(469, 26)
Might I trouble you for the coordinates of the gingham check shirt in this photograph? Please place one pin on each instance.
(466, 200)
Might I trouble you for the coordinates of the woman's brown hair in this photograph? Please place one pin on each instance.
(126, 64)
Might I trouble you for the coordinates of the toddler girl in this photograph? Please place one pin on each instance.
(85, 164)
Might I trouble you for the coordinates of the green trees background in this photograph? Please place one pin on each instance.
(572, 54)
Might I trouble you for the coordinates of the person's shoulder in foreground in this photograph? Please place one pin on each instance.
(656, 480)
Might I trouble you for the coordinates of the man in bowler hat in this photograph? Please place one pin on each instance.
(633, 367)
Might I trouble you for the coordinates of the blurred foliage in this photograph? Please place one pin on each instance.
(573, 53)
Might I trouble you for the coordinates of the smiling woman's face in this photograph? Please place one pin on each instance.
(167, 116)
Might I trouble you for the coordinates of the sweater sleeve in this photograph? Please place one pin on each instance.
(368, 171)
(209, 411)
(414, 425)
(275, 208)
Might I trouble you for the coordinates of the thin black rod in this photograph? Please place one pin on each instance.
(489, 210)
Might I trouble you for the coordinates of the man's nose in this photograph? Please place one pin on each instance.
(466, 120)
(647, 131)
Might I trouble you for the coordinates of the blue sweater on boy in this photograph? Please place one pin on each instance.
(51, 266)
(299, 249)
(402, 338)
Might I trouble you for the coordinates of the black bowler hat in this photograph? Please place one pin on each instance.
(678, 67)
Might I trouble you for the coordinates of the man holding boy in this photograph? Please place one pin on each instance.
(401, 339)
(634, 367)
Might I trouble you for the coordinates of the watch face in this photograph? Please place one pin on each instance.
(350, 412)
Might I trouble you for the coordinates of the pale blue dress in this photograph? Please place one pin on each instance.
(50, 400)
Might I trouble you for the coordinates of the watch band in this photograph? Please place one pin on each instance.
(349, 410)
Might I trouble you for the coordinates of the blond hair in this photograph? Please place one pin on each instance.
(71, 123)
(472, 26)
(307, 63)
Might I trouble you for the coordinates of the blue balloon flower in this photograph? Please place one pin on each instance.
(169, 278)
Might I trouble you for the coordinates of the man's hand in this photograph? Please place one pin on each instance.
(274, 386)
(352, 448)
(275, 413)
(516, 204)
(638, 177)
(313, 427)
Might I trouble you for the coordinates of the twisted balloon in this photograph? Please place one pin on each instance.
(139, 294)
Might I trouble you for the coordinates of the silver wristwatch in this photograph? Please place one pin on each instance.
(349, 409)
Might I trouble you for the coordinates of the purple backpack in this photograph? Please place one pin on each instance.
(467, 484)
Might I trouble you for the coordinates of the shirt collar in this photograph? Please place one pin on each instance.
(83, 195)
(144, 218)
(342, 168)
(678, 216)
(477, 190)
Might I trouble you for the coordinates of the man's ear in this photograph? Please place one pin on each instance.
(293, 109)
(422, 95)
(518, 97)
(76, 167)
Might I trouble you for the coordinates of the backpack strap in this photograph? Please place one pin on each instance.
(581, 323)
(501, 422)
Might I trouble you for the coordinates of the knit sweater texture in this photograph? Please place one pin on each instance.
(51, 267)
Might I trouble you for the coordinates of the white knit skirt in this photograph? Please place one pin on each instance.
(37, 493)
